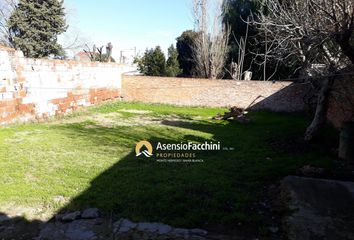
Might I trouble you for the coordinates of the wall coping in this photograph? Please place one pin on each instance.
(58, 61)
(144, 77)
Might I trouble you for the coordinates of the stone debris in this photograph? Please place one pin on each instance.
(309, 171)
(123, 225)
(90, 213)
(154, 227)
(82, 229)
(180, 232)
(59, 217)
(197, 231)
(4, 218)
(273, 229)
(69, 217)
(89, 225)
(143, 230)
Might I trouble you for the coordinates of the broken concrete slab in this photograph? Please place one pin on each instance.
(319, 209)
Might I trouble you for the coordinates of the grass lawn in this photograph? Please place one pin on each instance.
(88, 159)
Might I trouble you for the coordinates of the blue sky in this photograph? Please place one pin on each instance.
(130, 23)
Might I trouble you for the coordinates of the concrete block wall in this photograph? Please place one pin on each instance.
(38, 88)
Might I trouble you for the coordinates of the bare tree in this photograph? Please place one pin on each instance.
(237, 68)
(73, 40)
(237, 71)
(211, 44)
(90, 53)
(6, 8)
(312, 32)
(97, 54)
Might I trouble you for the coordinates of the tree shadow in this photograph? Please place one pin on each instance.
(296, 97)
(217, 194)
(18, 228)
(142, 189)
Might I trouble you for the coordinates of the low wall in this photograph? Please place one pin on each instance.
(38, 88)
(278, 96)
(341, 104)
(32, 89)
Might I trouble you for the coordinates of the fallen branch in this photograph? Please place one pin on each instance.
(236, 113)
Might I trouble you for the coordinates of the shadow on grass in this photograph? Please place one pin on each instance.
(217, 194)
(18, 228)
(180, 194)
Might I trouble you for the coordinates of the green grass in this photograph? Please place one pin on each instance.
(89, 159)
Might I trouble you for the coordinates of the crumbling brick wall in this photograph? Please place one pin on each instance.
(32, 89)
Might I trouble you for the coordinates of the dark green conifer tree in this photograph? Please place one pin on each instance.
(172, 64)
(35, 25)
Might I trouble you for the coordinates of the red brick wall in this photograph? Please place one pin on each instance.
(285, 96)
(15, 110)
(341, 106)
(278, 96)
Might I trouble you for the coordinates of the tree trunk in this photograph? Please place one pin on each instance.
(348, 50)
(321, 109)
(344, 41)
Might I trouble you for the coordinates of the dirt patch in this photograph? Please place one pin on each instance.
(116, 119)
(27, 133)
(30, 177)
(91, 126)
(20, 136)
(61, 200)
(29, 213)
(135, 111)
